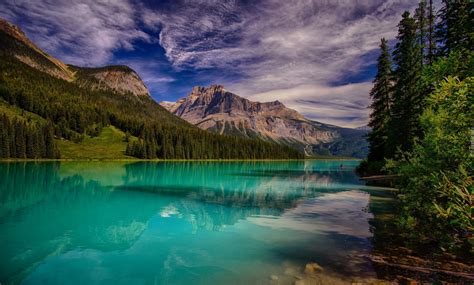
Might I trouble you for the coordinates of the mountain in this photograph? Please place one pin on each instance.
(50, 109)
(220, 111)
(364, 128)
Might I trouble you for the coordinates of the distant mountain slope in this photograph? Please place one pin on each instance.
(74, 105)
(15, 43)
(119, 78)
(221, 111)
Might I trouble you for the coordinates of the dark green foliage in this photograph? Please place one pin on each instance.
(381, 95)
(431, 41)
(5, 137)
(407, 97)
(455, 28)
(164, 142)
(20, 139)
(422, 29)
(436, 183)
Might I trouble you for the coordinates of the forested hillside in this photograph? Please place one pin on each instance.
(71, 109)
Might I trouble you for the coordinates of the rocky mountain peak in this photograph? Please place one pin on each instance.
(201, 90)
(215, 109)
(216, 88)
(14, 31)
(119, 78)
(204, 101)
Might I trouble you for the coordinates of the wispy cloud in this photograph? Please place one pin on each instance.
(342, 105)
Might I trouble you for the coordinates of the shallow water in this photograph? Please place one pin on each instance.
(182, 223)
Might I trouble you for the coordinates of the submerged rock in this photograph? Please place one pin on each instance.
(311, 268)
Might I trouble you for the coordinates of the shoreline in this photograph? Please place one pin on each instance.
(171, 160)
(394, 261)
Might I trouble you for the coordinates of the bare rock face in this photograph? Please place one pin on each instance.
(215, 109)
(204, 101)
(120, 79)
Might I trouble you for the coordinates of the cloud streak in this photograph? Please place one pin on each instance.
(347, 103)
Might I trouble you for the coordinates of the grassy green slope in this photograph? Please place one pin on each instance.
(109, 144)
(18, 113)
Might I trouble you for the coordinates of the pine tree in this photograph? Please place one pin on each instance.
(407, 97)
(454, 30)
(431, 34)
(41, 145)
(422, 29)
(381, 95)
(4, 137)
(30, 141)
(20, 139)
(49, 141)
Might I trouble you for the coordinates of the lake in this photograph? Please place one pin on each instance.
(184, 223)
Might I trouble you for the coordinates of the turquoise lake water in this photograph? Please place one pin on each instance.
(182, 222)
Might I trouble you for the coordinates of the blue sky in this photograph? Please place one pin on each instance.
(315, 56)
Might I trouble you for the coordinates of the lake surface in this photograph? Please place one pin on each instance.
(183, 223)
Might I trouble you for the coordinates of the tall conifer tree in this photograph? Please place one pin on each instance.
(431, 34)
(20, 139)
(421, 20)
(454, 30)
(48, 131)
(381, 97)
(5, 139)
(407, 97)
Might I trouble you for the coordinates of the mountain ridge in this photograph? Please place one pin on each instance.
(119, 78)
(114, 78)
(215, 109)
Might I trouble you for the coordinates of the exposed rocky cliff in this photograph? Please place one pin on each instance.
(220, 111)
(121, 79)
